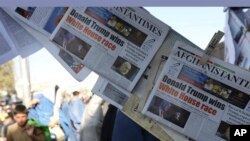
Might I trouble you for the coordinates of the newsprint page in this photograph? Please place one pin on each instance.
(115, 42)
(41, 23)
(111, 92)
(20, 40)
(200, 101)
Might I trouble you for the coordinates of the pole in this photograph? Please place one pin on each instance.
(22, 76)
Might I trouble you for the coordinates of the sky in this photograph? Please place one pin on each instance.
(198, 24)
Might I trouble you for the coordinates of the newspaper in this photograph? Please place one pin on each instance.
(43, 19)
(69, 62)
(117, 43)
(207, 98)
(7, 49)
(24, 42)
(110, 92)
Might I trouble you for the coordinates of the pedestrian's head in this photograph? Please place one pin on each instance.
(21, 115)
(76, 93)
(86, 95)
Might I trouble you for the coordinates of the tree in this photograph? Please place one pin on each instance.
(7, 81)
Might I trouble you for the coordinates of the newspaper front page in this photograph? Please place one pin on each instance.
(117, 43)
(199, 101)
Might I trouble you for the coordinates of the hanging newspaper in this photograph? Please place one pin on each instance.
(200, 101)
(110, 92)
(24, 43)
(43, 19)
(69, 62)
(117, 43)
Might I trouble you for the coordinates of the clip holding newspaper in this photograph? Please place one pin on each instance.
(207, 97)
(116, 42)
(213, 43)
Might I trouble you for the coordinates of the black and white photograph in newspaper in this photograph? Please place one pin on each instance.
(124, 68)
(71, 43)
(169, 111)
